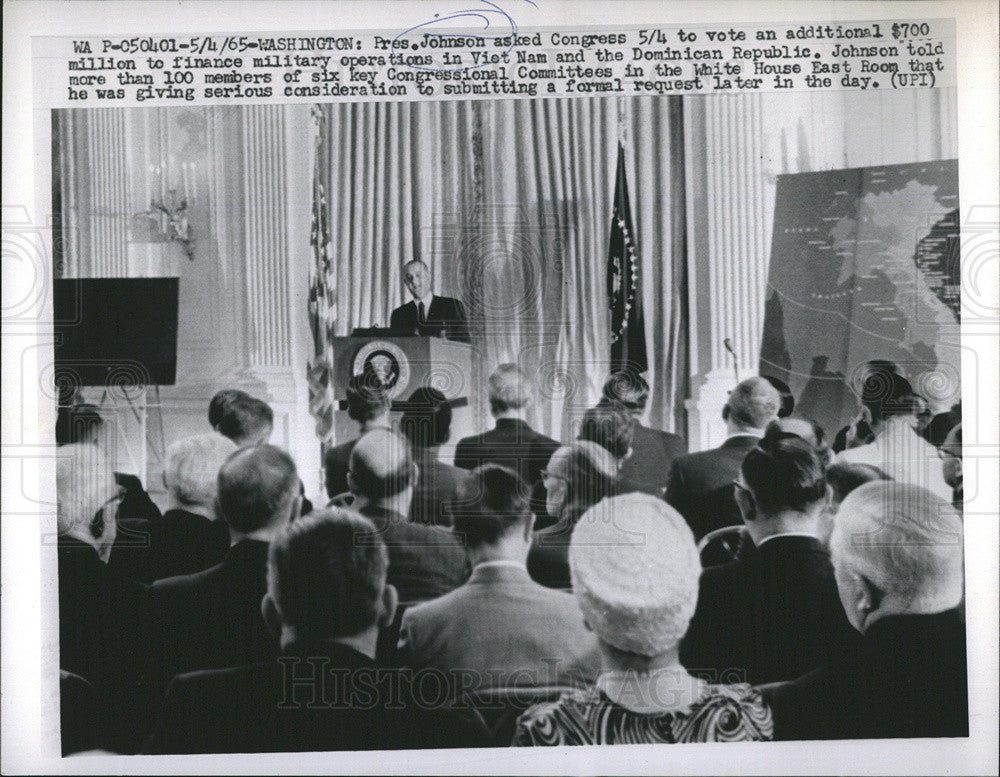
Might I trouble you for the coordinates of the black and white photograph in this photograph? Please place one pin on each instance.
(495, 419)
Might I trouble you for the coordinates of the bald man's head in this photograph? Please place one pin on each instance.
(257, 488)
(381, 465)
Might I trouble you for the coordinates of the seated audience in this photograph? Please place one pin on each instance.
(858, 432)
(426, 424)
(511, 443)
(220, 402)
(188, 537)
(98, 609)
(653, 451)
(700, 485)
(843, 478)
(326, 597)
(635, 576)
(612, 427)
(951, 465)
(212, 619)
(247, 421)
(810, 431)
(897, 551)
(368, 405)
(500, 624)
(890, 410)
(83, 423)
(424, 561)
(578, 477)
(787, 398)
(774, 614)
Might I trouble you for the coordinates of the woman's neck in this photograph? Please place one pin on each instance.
(648, 684)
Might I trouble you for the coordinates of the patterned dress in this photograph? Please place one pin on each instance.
(722, 713)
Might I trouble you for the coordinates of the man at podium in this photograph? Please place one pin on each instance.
(428, 315)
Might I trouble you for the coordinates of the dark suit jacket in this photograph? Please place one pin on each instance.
(446, 316)
(424, 561)
(511, 443)
(700, 486)
(135, 501)
(908, 678)
(212, 619)
(436, 487)
(335, 466)
(771, 616)
(177, 543)
(653, 454)
(317, 697)
(499, 622)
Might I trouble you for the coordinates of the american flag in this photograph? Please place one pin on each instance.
(628, 328)
(322, 293)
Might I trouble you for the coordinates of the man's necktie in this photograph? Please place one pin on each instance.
(420, 314)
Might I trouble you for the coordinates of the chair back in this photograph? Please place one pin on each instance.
(722, 545)
(501, 706)
(345, 499)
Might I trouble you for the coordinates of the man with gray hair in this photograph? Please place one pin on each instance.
(428, 314)
(512, 443)
(897, 555)
(700, 485)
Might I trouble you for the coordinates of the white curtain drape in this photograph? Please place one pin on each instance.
(509, 203)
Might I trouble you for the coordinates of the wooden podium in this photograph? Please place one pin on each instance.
(406, 364)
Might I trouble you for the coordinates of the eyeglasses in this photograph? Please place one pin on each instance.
(546, 474)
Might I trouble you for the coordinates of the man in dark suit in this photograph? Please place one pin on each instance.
(368, 404)
(511, 443)
(903, 592)
(426, 424)
(212, 619)
(424, 561)
(653, 452)
(500, 624)
(428, 314)
(327, 596)
(775, 614)
(701, 484)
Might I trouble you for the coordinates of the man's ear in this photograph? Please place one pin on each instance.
(747, 504)
(351, 485)
(390, 601)
(725, 412)
(271, 617)
(529, 527)
(869, 596)
(296, 509)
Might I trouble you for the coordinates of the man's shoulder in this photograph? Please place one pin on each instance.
(170, 588)
(342, 451)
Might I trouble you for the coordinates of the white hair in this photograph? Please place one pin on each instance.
(904, 539)
(191, 472)
(509, 389)
(85, 482)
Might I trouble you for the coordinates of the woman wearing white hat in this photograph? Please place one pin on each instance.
(635, 572)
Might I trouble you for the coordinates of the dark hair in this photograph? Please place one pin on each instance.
(220, 404)
(844, 477)
(371, 479)
(888, 394)
(245, 417)
(610, 426)
(366, 397)
(784, 472)
(427, 419)
(255, 486)
(489, 503)
(328, 571)
(586, 483)
(77, 423)
(626, 388)
(787, 398)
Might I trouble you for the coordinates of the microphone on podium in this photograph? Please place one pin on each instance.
(736, 362)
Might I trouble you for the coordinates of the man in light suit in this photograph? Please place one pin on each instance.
(653, 451)
(701, 484)
(428, 314)
(500, 625)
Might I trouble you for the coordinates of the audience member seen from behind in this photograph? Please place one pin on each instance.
(612, 427)
(500, 624)
(635, 576)
(787, 398)
(327, 597)
(212, 619)
(701, 484)
(368, 405)
(653, 451)
(843, 478)
(578, 477)
(426, 424)
(247, 422)
(220, 403)
(897, 551)
(890, 408)
(424, 561)
(512, 443)
(859, 431)
(774, 614)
